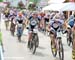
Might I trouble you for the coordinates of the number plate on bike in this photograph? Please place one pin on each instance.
(59, 34)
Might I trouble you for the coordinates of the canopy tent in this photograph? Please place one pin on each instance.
(70, 6)
(56, 1)
(54, 7)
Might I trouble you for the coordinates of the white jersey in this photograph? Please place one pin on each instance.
(11, 12)
(20, 18)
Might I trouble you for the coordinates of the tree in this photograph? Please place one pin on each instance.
(1, 0)
(8, 4)
(32, 6)
(21, 5)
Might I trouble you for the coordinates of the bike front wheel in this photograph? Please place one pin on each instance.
(61, 51)
(53, 49)
(33, 47)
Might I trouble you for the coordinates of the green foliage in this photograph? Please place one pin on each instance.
(32, 7)
(1, 0)
(21, 5)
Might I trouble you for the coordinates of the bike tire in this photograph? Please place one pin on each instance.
(33, 47)
(12, 33)
(30, 45)
(7, 24)
(19, 38)
(54, 53)
(37, 40)
(68, 41)
(61, 50)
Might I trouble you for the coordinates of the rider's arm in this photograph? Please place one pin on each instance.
(38, 20)
(29, 19)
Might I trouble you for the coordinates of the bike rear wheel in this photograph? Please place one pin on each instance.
(69, 41)
(12, 33)
(19, 38)
(6, 24)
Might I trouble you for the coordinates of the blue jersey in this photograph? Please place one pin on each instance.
(71, 22)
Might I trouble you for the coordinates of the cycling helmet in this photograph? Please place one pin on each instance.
(34, 13)
(68, 26)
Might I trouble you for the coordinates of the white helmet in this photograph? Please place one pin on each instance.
(68, 26)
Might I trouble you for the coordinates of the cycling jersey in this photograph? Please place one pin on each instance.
(6, 13)
(33, 23)
(71, 22)
(11, 12)
(20, 19)
(55, 25)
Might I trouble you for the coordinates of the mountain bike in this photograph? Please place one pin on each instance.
(58, 46)
(34, 43)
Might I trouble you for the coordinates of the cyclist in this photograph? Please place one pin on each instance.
(47, 19)
(12, 16)
(33, 23)
(72, 24)
(42, 22)
(6, 13)
(55, 25)
(20, 21)
(73, 49)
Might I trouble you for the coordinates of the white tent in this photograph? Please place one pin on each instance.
(54, 7)
(56, 1)
(70, 6)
